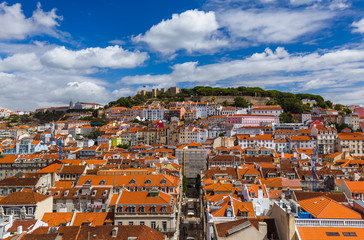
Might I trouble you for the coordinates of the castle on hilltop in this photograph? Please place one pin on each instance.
(154, 93)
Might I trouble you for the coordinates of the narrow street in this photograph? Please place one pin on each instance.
(191, 226)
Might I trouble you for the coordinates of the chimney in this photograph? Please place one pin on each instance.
(19, 230)
(262, 227)
(114, 232)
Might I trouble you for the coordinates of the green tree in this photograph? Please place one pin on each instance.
(94, 133)
(328, 104)
(125, 146)
(184, 184)
(339, 107)
(285, 118)
(241, 102)
(347, 111)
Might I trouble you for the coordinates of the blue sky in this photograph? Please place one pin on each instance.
(54, 51)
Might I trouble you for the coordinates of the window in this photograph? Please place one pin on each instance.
(332, 234)
(153, 225)
(131, 209)
(120, 223)
(142, 209)
(131, 223)
(88, 181)
(164, 209)
(163, 181)
(153, 209)
(142, 223)
(349, 234)
(148, 181)
(120, 209)
(30, 211)
(132, 181)
(164, 225)
(102, 182)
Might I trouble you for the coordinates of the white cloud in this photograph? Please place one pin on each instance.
(30, 90)
(300, 72)
(109, 57)
(21, 61)
(14, 24)
(273, 25)
(192, 30)
(303, 2)
(358, 26)
(40, 75)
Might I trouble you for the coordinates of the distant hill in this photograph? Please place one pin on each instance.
(290, 102)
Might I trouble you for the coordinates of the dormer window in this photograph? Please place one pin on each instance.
(153, 209)
(102, 182)
(104, 193)
(132, 181)
(88, 181)
(148, 181)
(142, 209)
(65, 194)
(163, 181)
(76, 193)
(120, 209)
(229, 213)
(164, 209)
(94, 193)
(56, 193)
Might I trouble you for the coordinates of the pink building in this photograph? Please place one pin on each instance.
(359, 111)
(252, 120)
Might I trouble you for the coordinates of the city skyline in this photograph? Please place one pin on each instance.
(51, 52)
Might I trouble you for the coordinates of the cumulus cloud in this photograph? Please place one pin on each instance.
(192, 30)
(27, 91)
(274, 25)
(358, 26)
(301, 72)
(109, 57)
(39, 75)
(14, 24)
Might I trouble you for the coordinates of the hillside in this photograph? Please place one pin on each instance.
(240, 96)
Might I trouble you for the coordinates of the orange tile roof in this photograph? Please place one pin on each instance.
(95, 218)
(56, 167)
(21, 198)
(143, 197)
(54, 219)
(319, 233)
(324, 207)
(351, 136)
(355, 186)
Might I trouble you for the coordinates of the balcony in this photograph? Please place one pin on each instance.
(329, 223)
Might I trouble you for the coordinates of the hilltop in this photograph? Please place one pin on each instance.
(240, 96)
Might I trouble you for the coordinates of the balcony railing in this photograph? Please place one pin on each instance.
(329, 223)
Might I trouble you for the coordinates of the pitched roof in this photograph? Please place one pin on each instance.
(54, 219)
(14, 181)
(20, 198)
(94, 218)
(26, 224)
(324, 207)
(355, 186)
(320, 233)
(144, 197)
